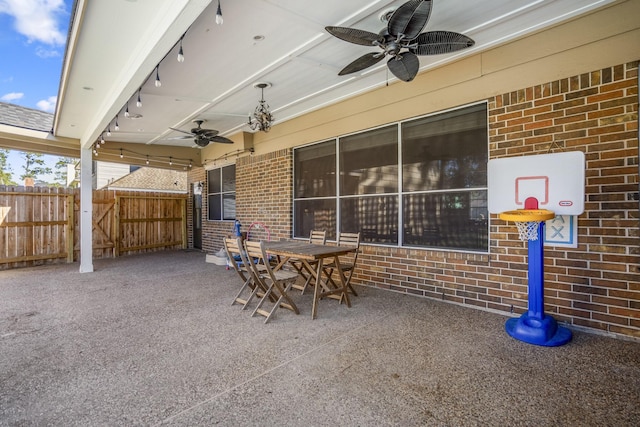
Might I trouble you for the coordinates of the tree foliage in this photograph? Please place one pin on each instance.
(6, 175)
(61, 170)
(34, 165)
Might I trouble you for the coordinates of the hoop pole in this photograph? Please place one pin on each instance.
(534, 327)
(536, 275)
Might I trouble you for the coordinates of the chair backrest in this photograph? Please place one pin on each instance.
(350, 239)
(258, 259)
(318, 237)
(233, 246)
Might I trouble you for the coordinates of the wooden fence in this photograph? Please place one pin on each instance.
(40, 225)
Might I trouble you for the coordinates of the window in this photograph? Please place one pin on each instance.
(315, 206)
(222, 193)
(425, 176)
(444, 180)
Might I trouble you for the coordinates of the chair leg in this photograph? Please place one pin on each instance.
(258, 308)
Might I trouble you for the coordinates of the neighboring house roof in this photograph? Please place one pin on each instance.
(152, 179)
(27, 118)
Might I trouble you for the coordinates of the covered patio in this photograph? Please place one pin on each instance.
(153, 339)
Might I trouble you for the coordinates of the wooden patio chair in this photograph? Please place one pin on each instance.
(275, 282)
(237, 260)
(347, 262)
(316, 237)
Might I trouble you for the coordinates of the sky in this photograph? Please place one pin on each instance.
(33, 34)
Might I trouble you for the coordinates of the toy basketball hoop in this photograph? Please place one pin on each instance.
(554, 181)
(527, 221)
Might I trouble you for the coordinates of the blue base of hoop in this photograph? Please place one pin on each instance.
(534, 326)
(544, 332)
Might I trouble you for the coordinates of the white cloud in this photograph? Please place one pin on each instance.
(48, 105)
(38, 20)
(11, 96)
(46, 53)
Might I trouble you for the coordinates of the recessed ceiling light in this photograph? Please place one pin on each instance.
(87, 88)
(134, 116)
(258, 38)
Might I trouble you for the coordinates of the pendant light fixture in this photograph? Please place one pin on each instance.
(158, 83)
(117, 126)
(139, 101)
(262, 118)
(219, 19)
(126, 111)
(180, 51)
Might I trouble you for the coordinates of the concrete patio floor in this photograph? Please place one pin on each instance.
(154, 340)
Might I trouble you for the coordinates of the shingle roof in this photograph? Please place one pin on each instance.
(23, 117)
(152, 179)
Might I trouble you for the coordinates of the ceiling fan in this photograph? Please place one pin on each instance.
(402, 40)
(202, 137)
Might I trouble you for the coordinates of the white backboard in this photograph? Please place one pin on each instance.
(556, 180)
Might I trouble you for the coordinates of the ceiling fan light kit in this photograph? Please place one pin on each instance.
(402, 40)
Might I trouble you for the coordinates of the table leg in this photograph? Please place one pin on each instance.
(316, 289)
(343, 281)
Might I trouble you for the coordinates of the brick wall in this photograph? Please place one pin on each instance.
(264, 192)
(596, 285)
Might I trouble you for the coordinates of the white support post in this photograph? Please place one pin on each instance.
(86, 210)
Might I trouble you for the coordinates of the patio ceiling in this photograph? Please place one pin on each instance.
(115, 46)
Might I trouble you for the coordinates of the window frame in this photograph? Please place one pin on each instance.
(221, 193)
(400, 193)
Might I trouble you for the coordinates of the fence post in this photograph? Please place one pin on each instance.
(70, 227)
(116, 237)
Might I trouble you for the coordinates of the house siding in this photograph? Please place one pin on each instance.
(596, 285)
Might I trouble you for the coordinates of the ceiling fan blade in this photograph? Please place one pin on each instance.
(366, 60)
(438, 42)
(220, 139)
(181, 137)
(404, 66)
(353, 35)
(183, 131)
(409, 19)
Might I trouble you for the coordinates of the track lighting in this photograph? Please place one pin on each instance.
(158, 82)
(139, 101)
(181, 52)
(219, 19)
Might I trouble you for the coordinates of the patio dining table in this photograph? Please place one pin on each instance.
(309, 254)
